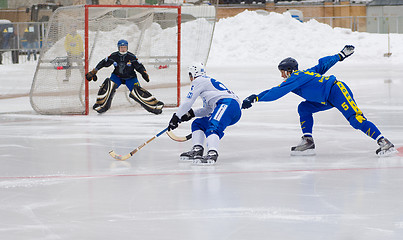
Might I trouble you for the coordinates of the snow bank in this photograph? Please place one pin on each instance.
(250, 38)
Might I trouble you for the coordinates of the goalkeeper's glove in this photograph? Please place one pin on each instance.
(247, 103)
(187, 116)
(174, 123)
(92, 75)
(346, 51)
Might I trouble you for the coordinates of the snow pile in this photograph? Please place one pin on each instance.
(250, 38)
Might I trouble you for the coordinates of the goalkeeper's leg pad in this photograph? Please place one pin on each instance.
(105, 96)
(146, 100)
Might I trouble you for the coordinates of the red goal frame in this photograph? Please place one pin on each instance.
(86, 45)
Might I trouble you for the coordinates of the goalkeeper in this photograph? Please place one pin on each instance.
(321, 93)
(125, 63)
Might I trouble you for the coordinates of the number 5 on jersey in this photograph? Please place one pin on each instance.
(345, 106)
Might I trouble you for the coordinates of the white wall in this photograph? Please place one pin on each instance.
(382, 18)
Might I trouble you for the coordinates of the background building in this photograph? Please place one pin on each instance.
(385, 16)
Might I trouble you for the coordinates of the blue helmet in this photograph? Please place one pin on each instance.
(289, 64)
(123, 42)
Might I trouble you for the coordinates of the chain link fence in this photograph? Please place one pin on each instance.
(20, 42)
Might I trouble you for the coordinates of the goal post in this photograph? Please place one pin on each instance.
(165, 38)
(178, 40)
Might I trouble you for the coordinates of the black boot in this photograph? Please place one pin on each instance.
(385, 147)
(197, 151)
(210, 158)
(305, 147)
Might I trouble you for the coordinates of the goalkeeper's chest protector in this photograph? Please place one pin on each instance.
(125, 65)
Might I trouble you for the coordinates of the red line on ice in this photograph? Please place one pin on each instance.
(197, 173)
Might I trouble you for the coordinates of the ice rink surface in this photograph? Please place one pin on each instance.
(57, 180)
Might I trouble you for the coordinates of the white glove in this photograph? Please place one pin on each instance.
(346, 51)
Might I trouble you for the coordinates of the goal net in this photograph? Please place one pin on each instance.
(165, 39)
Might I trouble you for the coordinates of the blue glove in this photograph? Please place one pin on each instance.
(247, 103)
(346, 51)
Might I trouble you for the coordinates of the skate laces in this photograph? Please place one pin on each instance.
(305, 140)
(212, 153)
(386, 148)
(197, 148)
(384, 143)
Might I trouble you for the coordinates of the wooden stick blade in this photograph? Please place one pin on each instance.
(179, 139)
(119, 157)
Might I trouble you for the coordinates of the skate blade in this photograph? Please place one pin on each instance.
(200, 163)
(186, 159)
(388, 153)
(308, 152)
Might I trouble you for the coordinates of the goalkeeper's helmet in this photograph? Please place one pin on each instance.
(122, 42)
(196, 70)
(289, 64)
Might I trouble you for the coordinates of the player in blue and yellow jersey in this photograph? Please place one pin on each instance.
(320, 93)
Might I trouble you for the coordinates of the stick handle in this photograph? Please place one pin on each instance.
(123, 158)
(162, 132)
(148, 141)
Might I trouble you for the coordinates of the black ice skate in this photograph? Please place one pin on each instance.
(305, 148)
(209, 159)
(197, 151)
(386, 148)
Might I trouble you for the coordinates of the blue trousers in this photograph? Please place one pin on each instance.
(227, 113)
(130, 82)
(341, 98)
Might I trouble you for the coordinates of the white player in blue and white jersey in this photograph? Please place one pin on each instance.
(221, 108)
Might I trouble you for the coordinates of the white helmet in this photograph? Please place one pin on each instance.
(196, 70)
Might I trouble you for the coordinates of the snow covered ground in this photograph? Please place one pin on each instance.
(57, 180)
